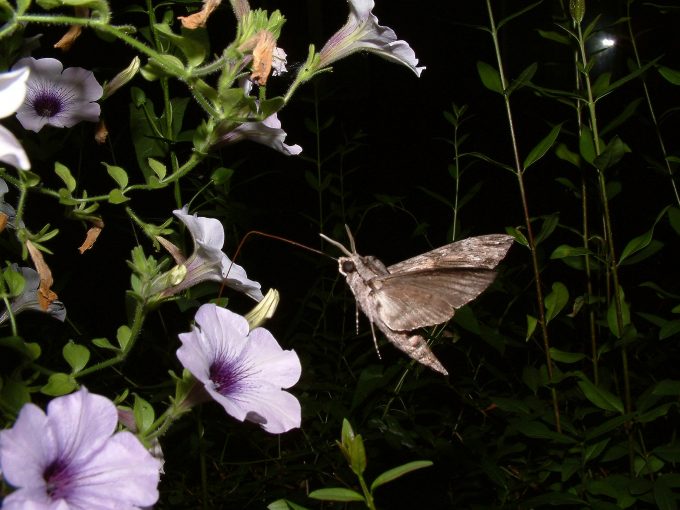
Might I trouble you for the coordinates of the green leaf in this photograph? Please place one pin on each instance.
(600, 397)
(630, 76)
(539, 430)
(611, 155)
(586, 145)
(640, 242)
(117, 174)
(65, 175)
(524, 77)
(59, 384)
(194, 44)
(394, 473)
(565, 250)
(548, 227)
(144, 414)
(674, 219)
(519, 236)
(15, 282)
(671, 328)
(284, 504)
(557, 37)
(103, 343)
(158, 168)
(76, 356)
(611, 315)
(622, 117)
(532, 322)
(556, 300)
(563, 153)
(490, 77)
(336, 494)
(663, 495)
(671, 75)
(516, 14)
(123, 336)
(116, 197)
(542, 147)
(566, 357)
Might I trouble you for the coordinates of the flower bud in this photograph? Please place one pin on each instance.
(263, 310)
(121, 78)
(577, 9)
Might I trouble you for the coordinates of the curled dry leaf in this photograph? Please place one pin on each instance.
(262, 57)
(73, 32)
(102, 133)
(200, 18)
(92, 235)
(3, 221)
(172, 250)
(45, 294)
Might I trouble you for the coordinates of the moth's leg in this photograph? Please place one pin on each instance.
(356, 318)
(375, 341)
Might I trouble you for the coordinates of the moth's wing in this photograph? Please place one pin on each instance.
(416, 299)
(474, 252)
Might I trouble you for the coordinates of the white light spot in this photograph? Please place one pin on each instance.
(608, 42)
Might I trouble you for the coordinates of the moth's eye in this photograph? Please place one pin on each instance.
(348, 266)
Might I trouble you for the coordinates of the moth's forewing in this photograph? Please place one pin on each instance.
(417, 299)
(475, 252)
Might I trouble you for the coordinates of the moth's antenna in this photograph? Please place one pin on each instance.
(337, 245)
(351, 239)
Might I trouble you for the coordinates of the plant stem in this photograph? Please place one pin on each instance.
(519, 172)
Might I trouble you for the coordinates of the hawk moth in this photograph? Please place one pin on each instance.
(422, 291)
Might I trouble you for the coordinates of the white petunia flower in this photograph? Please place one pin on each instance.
(245, 372)
(363, 33)
(57, 96)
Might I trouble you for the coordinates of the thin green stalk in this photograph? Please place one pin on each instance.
(12, 320)
(117, 32)
(592, 324)
(519, 172)
(368, 497)
(135, 329)
(650, 106)
(609, 234)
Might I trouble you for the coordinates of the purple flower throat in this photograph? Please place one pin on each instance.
(58, 479)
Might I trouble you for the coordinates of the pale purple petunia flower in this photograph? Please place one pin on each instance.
(363, 33)
(71, 459)
(243, 371)
(57, 96)
(267, 132)
(12, 94)
(208, 261)
(28, 299)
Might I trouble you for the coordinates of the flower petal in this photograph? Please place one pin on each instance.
(82, 422)
(11, 151)
(12, 91)
(123, 473)
(26, 448)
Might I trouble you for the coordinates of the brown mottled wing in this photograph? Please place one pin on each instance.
(474, 252)
(407, 301)
(427, 289)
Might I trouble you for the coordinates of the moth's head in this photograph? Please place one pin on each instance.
(346, 265)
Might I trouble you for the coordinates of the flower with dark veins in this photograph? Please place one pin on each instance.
(57, 96)
(72, 458)
(244, 371)
(208, 261)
